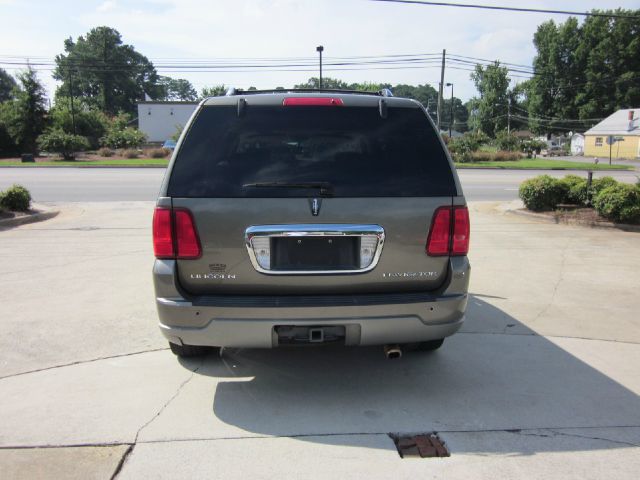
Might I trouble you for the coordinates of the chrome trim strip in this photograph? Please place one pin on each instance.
(313, 230)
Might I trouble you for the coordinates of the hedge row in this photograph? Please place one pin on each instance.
(612, 200)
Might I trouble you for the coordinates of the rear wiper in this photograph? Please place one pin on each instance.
(325, 187)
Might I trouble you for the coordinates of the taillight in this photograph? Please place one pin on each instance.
(186, 236)
(449, 234)
(312, 101)
(162, 233)
(440, 233)
(174, 234)
(461, 230)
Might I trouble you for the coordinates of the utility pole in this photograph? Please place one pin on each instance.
(450, 109)
(319, 49)
(441, 86)
(509, 115)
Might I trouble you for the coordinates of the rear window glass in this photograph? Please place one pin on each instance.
(351, 149)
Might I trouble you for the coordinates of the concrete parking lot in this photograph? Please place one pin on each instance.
(542, 382)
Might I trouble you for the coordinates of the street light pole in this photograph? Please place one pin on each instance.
(450, 109)
(319, 49)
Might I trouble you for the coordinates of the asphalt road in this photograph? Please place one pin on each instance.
(135, 184)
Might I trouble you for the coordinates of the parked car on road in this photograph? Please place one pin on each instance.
(310, 217)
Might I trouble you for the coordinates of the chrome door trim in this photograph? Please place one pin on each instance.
(314, 230)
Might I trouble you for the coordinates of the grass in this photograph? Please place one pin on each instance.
(543, 164)
(105, 162)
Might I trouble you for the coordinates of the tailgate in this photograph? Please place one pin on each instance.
(311, 265)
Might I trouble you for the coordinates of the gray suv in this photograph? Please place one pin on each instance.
(310, 217)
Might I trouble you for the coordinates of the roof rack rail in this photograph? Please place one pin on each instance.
(385, 92)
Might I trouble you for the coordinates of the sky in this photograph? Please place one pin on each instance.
(174, 32)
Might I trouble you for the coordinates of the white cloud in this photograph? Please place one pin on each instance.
(106, 6)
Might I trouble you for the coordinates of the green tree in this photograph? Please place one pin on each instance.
(214, 91)
(460, 115)
(425, 94)
(327, 82)
(489, 112)
(177, 89)
(7, 85)
(105, 72)
(584, 72)
(23, 117)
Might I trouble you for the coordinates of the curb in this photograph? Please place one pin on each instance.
(559, 220)
(39, 216)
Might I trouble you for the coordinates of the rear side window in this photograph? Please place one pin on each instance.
(353, 149)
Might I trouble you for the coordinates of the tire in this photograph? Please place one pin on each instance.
(186, 351)
(429, 346)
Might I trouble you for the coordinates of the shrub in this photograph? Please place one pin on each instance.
(66, 144)
(461, 148)
(105, 152)
(619, 203)
(576, 189)
(159, 152)
(15, 198)
(542, 193)
(481, 156)
(507, 141)
(89, 123)
(130, 153)
(125, 138)
(600, 184)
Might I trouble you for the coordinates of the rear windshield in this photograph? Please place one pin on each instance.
(351, 150)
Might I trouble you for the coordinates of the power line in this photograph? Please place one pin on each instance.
(512, 9)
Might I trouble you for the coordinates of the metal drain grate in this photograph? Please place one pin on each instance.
(426, 445)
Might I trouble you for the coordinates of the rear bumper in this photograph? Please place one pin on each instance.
(248, 322)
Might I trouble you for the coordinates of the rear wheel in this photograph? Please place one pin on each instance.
(189, 350)
(428, 346)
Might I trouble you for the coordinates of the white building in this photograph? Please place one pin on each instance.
(577, 144)
(160, 120)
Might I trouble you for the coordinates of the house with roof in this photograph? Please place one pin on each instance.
(617, 135)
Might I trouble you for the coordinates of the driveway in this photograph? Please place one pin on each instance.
(542, 382)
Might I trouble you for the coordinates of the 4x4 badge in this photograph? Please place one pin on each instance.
(315, 204)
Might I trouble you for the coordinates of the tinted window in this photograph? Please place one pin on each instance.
(353, 149)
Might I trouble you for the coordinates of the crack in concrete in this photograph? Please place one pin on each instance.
(556, 433)
(129, 450)
(82, 362)
(122, 461)
(563, 262)
(619, 442)
(532, 432)
(533, 334)
(176, 393)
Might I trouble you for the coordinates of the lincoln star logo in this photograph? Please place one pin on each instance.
(315, 206)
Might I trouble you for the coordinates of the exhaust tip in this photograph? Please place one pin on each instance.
(392, 352)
